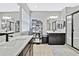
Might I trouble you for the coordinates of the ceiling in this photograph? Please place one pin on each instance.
(8, 7)
(49, 6)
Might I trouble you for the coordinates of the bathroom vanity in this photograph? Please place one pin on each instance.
(18, 46)
(28, 50)
(56, 32)
(56, 38)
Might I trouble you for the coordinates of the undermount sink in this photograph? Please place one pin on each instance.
(21, 37)
(8, 45)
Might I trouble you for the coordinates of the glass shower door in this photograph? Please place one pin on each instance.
(76, 30)
(69, 30)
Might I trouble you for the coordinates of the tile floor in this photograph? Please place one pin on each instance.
(42, 50)
(53, 50)
(63, 50)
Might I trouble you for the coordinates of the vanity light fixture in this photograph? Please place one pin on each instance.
(6, 17)
(52, 17)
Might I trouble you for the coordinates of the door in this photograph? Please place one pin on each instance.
(69, 30)
(76, 30)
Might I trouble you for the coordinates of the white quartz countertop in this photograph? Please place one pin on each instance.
(7, 32)
(14, 46)
(56, 32)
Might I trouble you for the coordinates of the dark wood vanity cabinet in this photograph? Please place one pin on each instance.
(28, 50)
(56, 38)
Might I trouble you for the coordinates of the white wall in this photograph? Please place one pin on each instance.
(43, 15)
(24, 17)
(70, 10)
(8, 7)
(63, 14)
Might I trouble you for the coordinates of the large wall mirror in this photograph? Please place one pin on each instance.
(61, 24)
(8, 20)
(7, 25)
(17, 26)
(3, 24)
(51, 25)
(48, 25)
(54, 26)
